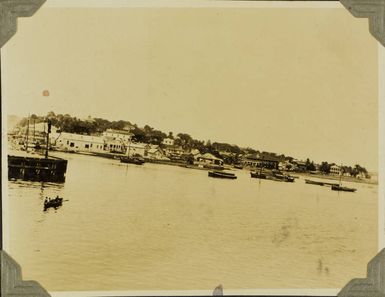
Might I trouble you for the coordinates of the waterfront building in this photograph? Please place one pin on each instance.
(124, 135)
(299, 165)
(209, 159)
(114, 145)
(195, 152)
(335, 169)
(173, 151)
(285, 165)
(117, 141)
(155, 153)
(77, 142)
(259, 160)
(139, 149)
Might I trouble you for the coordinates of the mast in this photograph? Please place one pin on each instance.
(129, 148)
(341, 175)
(34, 129)
(47, 142)
(26, 141)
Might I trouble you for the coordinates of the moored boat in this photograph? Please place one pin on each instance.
(259, 175)
(330, 184)
(289, 179)
(313, 182)
(37, 168)
(282, 177)
(274, 178)
(341, 188)
(221, 174)
(213, 167)
(132, 160)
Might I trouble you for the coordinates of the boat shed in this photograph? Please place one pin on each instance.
(261, 161)
(208, 158)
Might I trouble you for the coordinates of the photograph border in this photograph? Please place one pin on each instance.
(12, 283)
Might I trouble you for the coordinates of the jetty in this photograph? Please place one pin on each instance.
(37, 169)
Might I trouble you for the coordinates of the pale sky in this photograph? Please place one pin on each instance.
(303, 82)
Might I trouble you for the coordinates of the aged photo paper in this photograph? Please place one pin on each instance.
(178, 148)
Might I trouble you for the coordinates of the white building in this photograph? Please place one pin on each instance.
(77, 142)
(114, 145)
(335, 169)
(168, 141)
(209, 159)
(285, 165)
(137, 149)
(156, 153)
(195, 153)
(117, 141)
(124, 135)
(173, 151)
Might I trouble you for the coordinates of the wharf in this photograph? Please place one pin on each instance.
(37, 169)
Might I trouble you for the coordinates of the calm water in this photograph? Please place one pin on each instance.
(158, 227)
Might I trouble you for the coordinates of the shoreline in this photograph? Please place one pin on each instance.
(337, 178)
(180, 163)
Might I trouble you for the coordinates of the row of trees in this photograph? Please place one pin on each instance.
(67, 123)
(353, 171)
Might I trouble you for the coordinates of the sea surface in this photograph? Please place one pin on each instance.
(160, 227)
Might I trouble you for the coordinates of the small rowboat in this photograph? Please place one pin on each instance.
(54, 203)
(221, 174)
(341, 188)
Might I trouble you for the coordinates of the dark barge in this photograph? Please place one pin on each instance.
(37, 169)
(221, 174)
(132, 160)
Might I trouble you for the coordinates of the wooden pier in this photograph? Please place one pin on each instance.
(37, 169)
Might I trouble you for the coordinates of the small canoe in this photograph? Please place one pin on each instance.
(220, 174)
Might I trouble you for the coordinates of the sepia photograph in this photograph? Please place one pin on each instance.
(205, 146)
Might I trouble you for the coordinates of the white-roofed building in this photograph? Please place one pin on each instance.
(77, 142)
(209, 159)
